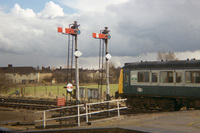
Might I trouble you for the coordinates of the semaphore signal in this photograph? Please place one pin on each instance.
(101, 36)
(104, 35)
(69, 31)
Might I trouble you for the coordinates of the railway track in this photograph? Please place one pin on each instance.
(27, 106)
(33, 104)
(38, 104)
(32, 101)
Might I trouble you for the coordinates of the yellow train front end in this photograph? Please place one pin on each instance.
(120, 91)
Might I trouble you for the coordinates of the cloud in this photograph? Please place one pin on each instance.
(91, 5)
(156, 26)
(17, 10)
(51, 10)
(24, 32)
(138, 29)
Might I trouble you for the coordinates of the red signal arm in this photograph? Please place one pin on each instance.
(100, 36)
(68, 31)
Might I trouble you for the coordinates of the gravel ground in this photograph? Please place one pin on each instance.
(160, 122)
(9, 116)
(163, 122)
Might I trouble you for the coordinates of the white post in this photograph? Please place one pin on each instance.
(118, 108)
(86, 114)
(78, 116)
(77, 71)
(90, 111)
(44, 118)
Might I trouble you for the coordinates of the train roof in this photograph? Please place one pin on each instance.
(178, 64)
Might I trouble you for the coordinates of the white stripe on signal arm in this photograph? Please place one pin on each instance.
(97, 35)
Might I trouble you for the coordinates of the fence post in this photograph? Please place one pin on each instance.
(46, 89)
(118, 108)
(58, 90)
(90, 110)
(44, 118)
(35, 90)
(86, 113)
(24, 91)
(78, 115)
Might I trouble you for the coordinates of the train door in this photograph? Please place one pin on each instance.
(179, 78)
(126, 82)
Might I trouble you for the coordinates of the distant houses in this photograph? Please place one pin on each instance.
(31, 75)
(20, 75)
(45, 74)
(68, 75)
(26, 75)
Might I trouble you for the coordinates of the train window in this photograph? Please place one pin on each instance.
(133, 77)
(143, 76)
(179, 77)
(154, 77)
(166, 76)
(126, 77)
(192, 76)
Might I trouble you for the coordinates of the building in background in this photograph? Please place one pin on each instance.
(20, 75)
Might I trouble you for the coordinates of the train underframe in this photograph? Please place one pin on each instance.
(162, 103)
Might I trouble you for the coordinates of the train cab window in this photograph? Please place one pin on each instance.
(133, 77)
(192, 76)
(179, 77)
(143, 76)
(154, 77)
(166, 77)
(126, 76)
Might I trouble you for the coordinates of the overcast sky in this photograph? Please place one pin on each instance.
(139, 29)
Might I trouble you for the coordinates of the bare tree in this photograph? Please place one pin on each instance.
(166, 56)
(114, 73)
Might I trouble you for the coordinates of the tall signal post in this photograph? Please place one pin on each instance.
(77, 54)
(105, 36)
(73, 31)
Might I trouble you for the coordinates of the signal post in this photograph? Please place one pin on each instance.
(105, 36)
(73, 31)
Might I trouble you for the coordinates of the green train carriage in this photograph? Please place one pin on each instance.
(161, 84)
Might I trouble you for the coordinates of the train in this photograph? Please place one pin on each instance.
(165, 85)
